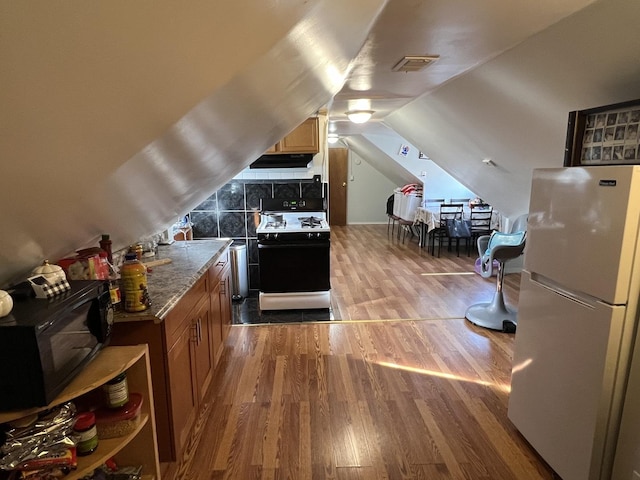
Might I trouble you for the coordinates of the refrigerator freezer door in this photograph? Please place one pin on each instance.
(564, 377)
(583, 227)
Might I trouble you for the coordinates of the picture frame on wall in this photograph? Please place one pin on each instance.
(607, 135)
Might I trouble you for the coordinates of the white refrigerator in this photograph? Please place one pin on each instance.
(577, 316)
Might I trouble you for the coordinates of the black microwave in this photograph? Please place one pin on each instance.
(45, 343)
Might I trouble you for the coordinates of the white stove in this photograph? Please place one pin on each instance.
(293, 222)
(293, 254)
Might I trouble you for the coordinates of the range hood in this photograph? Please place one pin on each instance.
(283, 160)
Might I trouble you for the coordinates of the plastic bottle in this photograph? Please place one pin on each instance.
(103, 270)
(137, 249)
(114, 288)
(133, 276)
(105, 244)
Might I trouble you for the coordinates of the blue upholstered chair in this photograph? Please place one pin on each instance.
(500, 247)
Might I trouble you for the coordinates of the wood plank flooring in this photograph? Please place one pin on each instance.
(418, 394)
(375, 276)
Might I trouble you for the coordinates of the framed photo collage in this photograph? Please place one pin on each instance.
(611, 138)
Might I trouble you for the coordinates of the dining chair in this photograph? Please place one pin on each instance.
(479, 222)
(391, 218)
(448, 211)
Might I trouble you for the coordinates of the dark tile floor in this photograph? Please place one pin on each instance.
(247, 311)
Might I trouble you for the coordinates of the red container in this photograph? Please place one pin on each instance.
(118, 422)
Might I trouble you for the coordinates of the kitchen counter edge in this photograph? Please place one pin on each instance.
(168, 283)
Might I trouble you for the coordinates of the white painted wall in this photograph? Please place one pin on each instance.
(367, 192)
(437, 183)
(376, 171)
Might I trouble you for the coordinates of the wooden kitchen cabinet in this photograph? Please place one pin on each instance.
(190, 368)
(225, 301)
(304, 139)
(184, 349)
(220, 281)
(203, 348)
(139, 446)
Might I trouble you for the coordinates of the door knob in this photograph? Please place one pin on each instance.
(344, 184)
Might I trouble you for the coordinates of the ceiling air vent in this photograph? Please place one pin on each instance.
(414, 63)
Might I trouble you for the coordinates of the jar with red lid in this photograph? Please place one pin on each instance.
(86, 433)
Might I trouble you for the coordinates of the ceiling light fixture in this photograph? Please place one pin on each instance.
(359, 116)
(333, 138)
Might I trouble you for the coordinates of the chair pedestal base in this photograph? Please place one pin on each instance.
(494, 315)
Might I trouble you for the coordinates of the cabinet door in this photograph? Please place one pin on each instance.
(184, 401)
(202, 348)
(216, 320)
(225, 301)
(304, 139)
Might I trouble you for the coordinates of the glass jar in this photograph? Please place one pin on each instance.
(116, 391)
(133, 276)
(86, 433)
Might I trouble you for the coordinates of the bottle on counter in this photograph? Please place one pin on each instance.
(105, 244)
(114, 288)
(133, 277)
(137, 249)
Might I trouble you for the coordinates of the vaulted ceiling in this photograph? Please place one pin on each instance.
(119, 116)
(461, 35)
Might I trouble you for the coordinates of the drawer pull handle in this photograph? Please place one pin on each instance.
(194, 337)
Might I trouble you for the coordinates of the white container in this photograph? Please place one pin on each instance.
(409, 205)
(398, 200)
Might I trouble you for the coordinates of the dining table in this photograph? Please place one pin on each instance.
(427, 219)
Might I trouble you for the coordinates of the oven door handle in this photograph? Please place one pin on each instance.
(303, 244)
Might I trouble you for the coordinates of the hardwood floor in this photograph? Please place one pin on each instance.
(419, 394)
(375, 276)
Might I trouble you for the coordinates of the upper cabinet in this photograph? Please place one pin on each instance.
(304, 139)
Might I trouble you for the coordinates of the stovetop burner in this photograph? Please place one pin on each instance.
(270, 224)
(310, 222)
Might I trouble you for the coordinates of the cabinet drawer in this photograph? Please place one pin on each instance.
(216, 269)
(174, 321)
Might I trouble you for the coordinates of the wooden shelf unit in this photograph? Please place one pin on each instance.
(137, 448)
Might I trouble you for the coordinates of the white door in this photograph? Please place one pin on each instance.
(563, 375)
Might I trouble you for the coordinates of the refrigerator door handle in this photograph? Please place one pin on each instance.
(582, 299)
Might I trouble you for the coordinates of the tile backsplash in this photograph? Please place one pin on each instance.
(232, 212)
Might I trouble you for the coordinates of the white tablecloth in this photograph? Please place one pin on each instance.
(429, 218)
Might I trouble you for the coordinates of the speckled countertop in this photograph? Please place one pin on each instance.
(169, 282)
